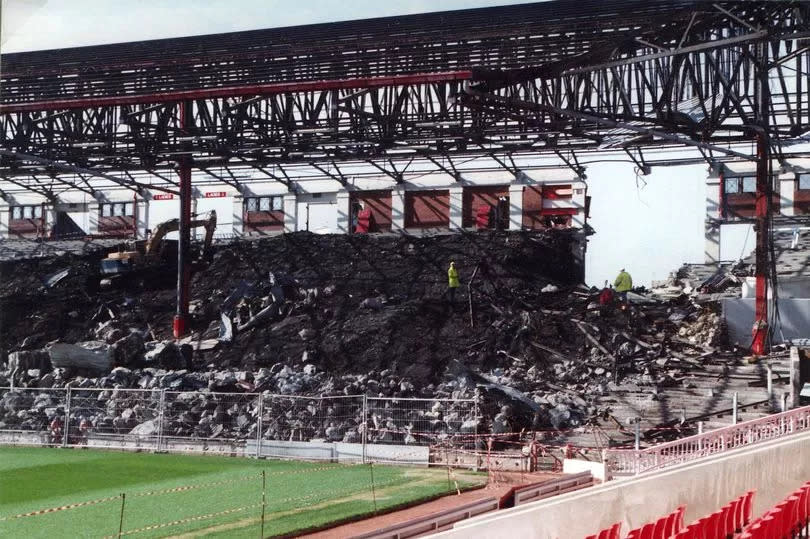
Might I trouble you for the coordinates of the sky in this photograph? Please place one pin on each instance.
(650, 226)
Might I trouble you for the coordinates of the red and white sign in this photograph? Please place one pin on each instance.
(216, 194)
(163, 197)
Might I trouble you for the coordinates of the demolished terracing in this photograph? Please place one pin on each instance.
(348, 315)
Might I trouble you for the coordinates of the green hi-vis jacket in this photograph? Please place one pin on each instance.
(623, 282)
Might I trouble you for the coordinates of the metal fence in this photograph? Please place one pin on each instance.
(630, 462)
(249, 424)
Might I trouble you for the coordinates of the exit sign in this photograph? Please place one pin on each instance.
(216, 194)
(163, 197)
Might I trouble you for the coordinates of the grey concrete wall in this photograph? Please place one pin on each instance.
(794, 313)
(774, 469)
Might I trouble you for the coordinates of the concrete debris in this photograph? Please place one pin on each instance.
(93, 356)
(54, 278)
(369, 317)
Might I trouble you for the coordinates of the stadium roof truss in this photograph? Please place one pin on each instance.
(493, 88)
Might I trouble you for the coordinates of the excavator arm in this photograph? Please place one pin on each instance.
(172, 225)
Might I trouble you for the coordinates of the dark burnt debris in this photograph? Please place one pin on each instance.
(335, 315)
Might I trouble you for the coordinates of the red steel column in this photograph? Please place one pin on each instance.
(763, 207)
(180, 325)
(760, 329)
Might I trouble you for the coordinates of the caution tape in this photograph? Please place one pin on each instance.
(186, 520)
(61, 508)
(185, 488)
(209, 516)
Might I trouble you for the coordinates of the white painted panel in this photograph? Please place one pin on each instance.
(224, 208)
(163, 210)
(737, 241)
(78, 212)
(323, 218)
(81, 218)
(302, 216)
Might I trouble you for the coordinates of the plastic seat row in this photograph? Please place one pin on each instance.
(663, 528)
(614, 532)
(723, 523)
(787, 519)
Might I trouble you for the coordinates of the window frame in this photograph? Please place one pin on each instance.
(117, 209)
(264, 204)
(33, 211)
(803, 176)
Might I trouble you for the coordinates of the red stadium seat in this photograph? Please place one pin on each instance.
(748, 507)
(591, 537)
(659, 532)
(634, 534)
(716, 525)
(791, 519)
(731, 519)
(604, 534)
(725, 525)
(804, 499)
(770, 524)
(679, 521)
(615, 531)
(647, 531)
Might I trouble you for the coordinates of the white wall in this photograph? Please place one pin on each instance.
(317, 214)
(224, 208)
(774, 469)
(163, 210)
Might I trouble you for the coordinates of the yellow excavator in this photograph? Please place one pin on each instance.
(156, 253)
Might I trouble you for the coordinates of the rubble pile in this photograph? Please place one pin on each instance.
(704, 282)
(345, 315)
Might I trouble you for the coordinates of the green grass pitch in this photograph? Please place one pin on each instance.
(196, 496)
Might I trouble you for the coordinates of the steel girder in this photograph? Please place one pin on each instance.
(691, 77)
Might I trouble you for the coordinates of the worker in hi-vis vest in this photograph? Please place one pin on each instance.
(623, 284)
(452, 282)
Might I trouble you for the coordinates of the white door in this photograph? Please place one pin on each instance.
(302, 215)
(161, 211)
(323, 218)
(80, 215)
(224, 209)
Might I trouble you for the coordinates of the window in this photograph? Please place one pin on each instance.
(804, 181)
(26, 212)
(732, 185)
(117, 209)
(264, 204)
(746, 184)
(749, 184)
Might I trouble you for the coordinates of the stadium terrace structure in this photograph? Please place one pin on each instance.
(439, 104)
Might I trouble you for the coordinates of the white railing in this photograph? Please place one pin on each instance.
(634, 462)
